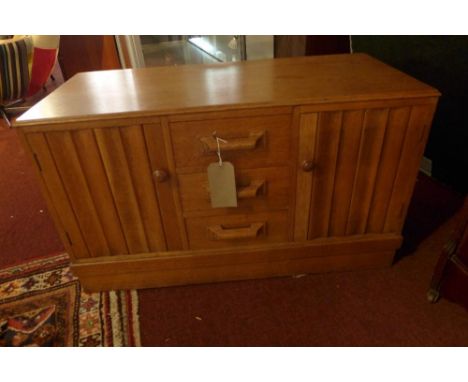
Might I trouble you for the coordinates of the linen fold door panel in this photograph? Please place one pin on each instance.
(101, 181)
(357, 169)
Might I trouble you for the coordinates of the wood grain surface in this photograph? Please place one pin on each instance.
(188, 88)
(215, 265)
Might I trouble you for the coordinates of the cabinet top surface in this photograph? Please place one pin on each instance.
(194, 88)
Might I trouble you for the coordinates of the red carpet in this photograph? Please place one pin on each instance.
(26, 229)
(382, 307)
(372, 308)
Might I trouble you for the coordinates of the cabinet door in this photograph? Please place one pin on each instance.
(357, 168)
(161, 158)
(99, 182)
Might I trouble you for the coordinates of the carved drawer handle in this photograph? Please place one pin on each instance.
(219, 232)
(232, 144)
(255, 188)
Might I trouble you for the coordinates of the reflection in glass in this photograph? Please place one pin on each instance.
(181, 50)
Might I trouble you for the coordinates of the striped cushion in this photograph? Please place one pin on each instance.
(14, 70)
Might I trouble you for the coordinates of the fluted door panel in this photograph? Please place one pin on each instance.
(364, 162)
(103, 189)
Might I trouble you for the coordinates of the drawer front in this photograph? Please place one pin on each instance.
(258, 141)
(237, 230)
(257, 190)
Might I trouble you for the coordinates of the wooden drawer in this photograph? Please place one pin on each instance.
(256, 141)
(257, 190)
(237, 230)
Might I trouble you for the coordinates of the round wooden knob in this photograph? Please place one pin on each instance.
(308, 165)
(161, 175)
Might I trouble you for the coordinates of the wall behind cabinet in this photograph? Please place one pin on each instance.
(440, 61)
(87, 53)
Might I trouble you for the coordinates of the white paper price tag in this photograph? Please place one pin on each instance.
(222, 184)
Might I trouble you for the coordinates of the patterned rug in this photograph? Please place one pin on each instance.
(42, 304)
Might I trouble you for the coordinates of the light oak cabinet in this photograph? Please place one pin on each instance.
(326, 152)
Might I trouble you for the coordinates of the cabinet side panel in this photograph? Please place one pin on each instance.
(120, 180)
(390, 157)
(134, 143)
(375, 121)
(93, 169)
(57, 194)
(415, 141)
(307, 138)
(345, 171)
(326, 154)
(66, 159)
